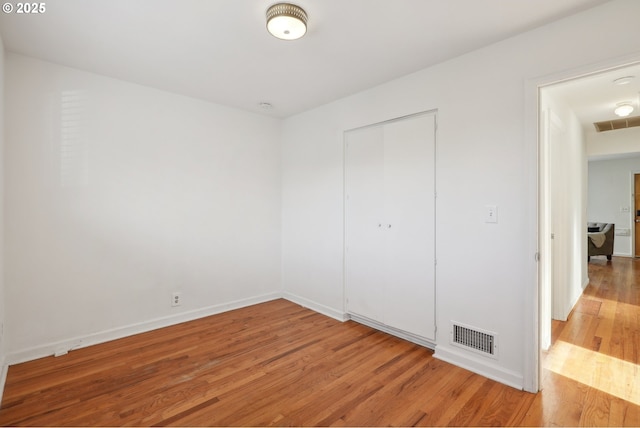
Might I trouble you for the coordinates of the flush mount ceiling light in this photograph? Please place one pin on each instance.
(286, 21)
(623, 109)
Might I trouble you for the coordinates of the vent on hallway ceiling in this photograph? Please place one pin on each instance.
(473, 339)
(610, 125)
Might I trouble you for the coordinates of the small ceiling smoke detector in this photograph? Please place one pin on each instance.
(623, 109)
(623, 80)
(286, 21)
(265, 105)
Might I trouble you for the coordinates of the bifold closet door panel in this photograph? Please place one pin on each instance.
(364, 246)
(409, 211)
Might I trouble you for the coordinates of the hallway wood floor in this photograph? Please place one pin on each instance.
(280, 364)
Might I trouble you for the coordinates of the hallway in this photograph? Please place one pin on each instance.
(591, 374)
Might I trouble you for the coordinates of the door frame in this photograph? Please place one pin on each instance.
(632, 213)
(532, 370)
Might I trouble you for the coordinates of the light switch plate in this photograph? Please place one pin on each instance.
(491, 214)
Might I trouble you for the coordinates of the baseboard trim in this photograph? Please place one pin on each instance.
(476, 365)
(3, 377)
(627, 255)
(452, 356)
(325, 310)
(64, 346)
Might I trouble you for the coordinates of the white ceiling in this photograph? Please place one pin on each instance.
(593, 98)
(219, 50)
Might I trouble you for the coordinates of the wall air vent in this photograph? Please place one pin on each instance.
(473, 339)
(610, 125)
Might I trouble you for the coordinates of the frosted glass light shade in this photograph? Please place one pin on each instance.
(286, 21)
(623, 109)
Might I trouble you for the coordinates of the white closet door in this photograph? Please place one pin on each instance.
(390, 224)
(364, 256)
(409, 207)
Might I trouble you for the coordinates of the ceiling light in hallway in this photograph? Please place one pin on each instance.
(623, 109)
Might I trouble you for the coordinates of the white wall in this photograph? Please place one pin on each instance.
(568, 200)
(484, 270)
(617, 142)
(117, 195)
(610, 187)
(611, 190)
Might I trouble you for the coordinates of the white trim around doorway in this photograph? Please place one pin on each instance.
(532, 358)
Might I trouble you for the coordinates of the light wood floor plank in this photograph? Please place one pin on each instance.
(279, 364)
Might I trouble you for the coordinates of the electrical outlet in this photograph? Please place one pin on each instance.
(176, 298)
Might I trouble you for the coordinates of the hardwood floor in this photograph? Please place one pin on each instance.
(280, 364)
(591, 373)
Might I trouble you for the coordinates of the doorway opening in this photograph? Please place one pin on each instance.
(568, 142)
